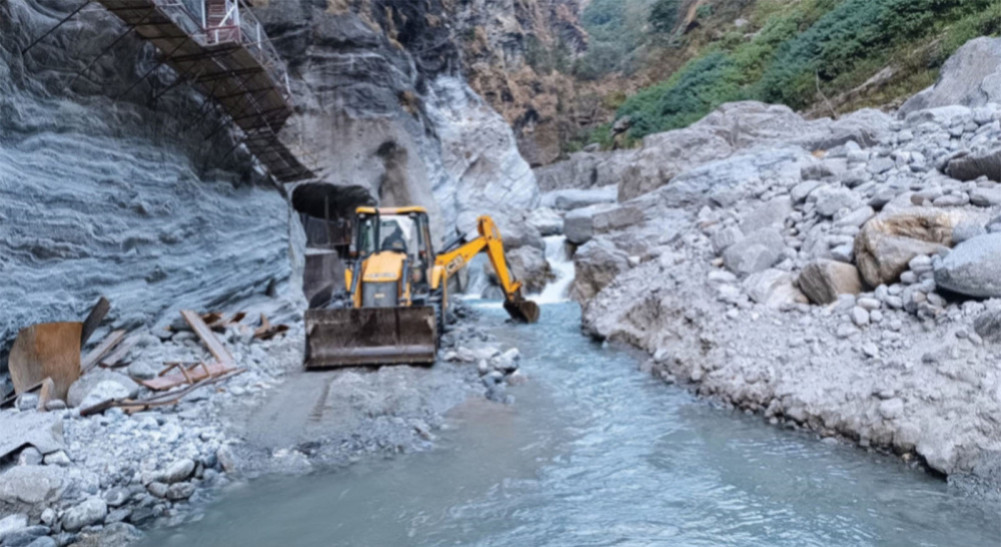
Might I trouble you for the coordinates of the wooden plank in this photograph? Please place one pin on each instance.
(120, 353)
(215, 347)
(94, 319)
(109, 342)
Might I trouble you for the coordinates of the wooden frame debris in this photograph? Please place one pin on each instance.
(186, 374)
(131, 406)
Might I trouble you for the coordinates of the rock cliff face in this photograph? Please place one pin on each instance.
(384, 108)
(106, 191)
(511, 53)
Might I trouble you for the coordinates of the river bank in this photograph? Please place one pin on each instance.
(837, 275)
(596, 451)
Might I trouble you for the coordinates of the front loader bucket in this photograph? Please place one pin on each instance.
(370, 336)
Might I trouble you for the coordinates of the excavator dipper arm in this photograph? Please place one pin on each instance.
(448, 263)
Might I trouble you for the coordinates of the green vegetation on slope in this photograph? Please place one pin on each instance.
(810, 45)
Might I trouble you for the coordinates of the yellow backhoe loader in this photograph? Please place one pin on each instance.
(397, 291)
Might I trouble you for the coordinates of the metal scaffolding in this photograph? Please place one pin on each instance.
(222, 47)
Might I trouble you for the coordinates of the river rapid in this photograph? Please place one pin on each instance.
(595, 452)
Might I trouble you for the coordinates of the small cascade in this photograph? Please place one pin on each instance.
(561, 263)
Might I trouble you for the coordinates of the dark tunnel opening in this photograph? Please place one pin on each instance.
(326, 212)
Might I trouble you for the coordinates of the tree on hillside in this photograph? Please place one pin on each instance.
(664, 15)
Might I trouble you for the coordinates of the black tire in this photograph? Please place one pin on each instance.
(439, 318)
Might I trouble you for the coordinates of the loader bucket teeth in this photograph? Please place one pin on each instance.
(370, 336)
(525, 311)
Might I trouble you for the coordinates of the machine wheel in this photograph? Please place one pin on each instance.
(439, 319)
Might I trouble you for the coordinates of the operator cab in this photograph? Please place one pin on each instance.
(403, 230)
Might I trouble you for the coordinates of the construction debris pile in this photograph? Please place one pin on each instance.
(121, 436)
(153, 423)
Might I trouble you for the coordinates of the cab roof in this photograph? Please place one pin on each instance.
(389, 211)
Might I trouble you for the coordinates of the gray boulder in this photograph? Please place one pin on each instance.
(581, 225)
(972, 268)
(773, 288)
(971, 77)
(528, 265)
(830, 200)
(12, 524)
(771, 213)
(988, 326)
(585, 170)
(547, 221)
(91, 511)
(576, 198)
(975, 165)
(94, 379)
(597, 264)
(754, 253)
(32, 484)
(823, 280)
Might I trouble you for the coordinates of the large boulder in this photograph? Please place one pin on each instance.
(754, 253)
(889, 241)
(581, 225)
(666, 155)
(104, 384)
(737, 127)
(823, 280)
(973, 268)
(547, 221)
(528, 265)
(971, 77)
(728, 181)
(988, 326)
(577, 198)
(31, 485)
(773, 212)
(585, 170)
(90, 511)
(596, 264)
(975, 165)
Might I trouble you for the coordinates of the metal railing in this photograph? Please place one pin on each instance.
(239, 24)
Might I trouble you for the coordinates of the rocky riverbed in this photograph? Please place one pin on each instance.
(100, 480)
(839, 275)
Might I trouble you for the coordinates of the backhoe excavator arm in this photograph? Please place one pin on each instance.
(448, 263)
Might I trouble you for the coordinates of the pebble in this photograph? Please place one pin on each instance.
(860, 316)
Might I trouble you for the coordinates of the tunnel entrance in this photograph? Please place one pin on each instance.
(326, 212)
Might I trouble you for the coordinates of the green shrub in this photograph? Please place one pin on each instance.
(664, 15)
(838, 42)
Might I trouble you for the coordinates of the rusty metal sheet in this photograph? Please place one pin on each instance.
(208, 338)
(46, 350)
(94, 319)
(370, 336)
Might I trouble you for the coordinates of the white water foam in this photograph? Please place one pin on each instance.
(561, 263)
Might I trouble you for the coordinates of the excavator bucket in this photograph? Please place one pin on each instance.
(522, 310)
(370, 336)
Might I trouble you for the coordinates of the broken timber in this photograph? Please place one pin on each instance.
(221, 43)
